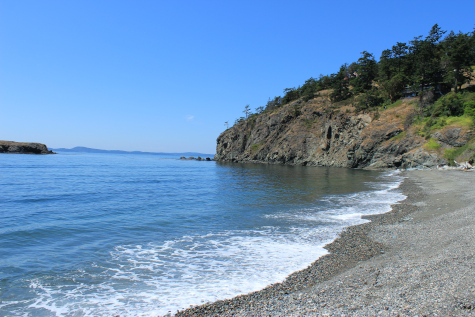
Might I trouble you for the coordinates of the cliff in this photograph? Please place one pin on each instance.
(319, 133)
(23, 148)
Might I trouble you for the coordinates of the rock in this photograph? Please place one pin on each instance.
(421, 158)
(24, 148)
(454, 137)
(318, 137)
(199, 158)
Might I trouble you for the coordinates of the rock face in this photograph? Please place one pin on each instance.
(316, 134)
(451, 136)
(23, 148)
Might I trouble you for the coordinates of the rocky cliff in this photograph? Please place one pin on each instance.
(23, 148)
(318, 133)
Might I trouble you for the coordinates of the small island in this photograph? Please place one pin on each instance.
(24, 148)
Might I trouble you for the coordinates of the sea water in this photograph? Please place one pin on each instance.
(144, 235)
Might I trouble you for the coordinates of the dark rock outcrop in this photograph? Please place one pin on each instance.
(318, 135)
(451, 136)
(199, 158)
(23, 148)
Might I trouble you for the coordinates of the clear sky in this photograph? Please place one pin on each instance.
(164, 76)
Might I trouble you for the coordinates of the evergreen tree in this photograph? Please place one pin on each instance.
(385, 65)
(394, 86)
(427, 70)
(290, 94)
(399, 52)
(459, 55)
(364, 74)
(340, 84)
(247, 111)
(309, 88)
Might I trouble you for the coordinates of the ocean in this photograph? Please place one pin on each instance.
(84, 234)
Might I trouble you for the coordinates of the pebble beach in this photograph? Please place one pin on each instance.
(416, 260)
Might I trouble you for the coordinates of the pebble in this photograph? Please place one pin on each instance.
(351, 280)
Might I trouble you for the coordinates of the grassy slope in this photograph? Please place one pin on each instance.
(407, 113)
(420, 126)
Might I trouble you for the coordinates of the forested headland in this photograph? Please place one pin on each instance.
(421, 93)
(428, 67)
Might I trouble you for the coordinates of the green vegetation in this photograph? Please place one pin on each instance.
(455, 104)
(432, 144)
(425, 126)
(428, 67)
(466, 152)
(255, 147)
(400, 136)
(390, 106)
(433, 68)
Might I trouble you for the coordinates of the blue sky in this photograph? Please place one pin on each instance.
(164, 76)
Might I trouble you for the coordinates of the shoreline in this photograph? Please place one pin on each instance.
(383, 267)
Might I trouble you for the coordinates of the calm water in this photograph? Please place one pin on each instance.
(141, 235)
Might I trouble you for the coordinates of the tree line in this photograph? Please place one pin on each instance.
(435, 64)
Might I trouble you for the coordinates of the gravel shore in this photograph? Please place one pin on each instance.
(417, 260)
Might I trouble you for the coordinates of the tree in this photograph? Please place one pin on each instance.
(399, 53)
(273, 103)
(449, 105)
(340, 84)
(241, 119)
(370, 99)
(458, 57)
(394, 86)
(385, 65)
(259, 110)
(364, 74)
(426, 60)
(324, 82)
(290, 94)
(309, 88)
(227, 125)
(247, 111)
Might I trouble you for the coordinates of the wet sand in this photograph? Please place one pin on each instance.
(418, 259)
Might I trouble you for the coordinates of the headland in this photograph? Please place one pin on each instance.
(23, 148)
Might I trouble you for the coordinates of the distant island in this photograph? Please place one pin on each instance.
(23, 148)
(82, 149)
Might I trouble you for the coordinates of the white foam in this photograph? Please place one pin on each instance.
(348, 216)
(143, 280)
(154, 279)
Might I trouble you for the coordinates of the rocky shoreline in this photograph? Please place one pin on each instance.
(23, 148)
(414, 260)
(318, 133)
(199, 158)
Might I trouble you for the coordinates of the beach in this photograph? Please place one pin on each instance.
(416, 260)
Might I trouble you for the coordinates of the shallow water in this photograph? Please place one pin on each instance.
(142, 235)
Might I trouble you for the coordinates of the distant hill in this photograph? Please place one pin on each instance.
(82, 149)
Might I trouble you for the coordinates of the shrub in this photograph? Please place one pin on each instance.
(466, 152)
(432, 144)
(370, 99)
(448, 105)
(469, 108)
